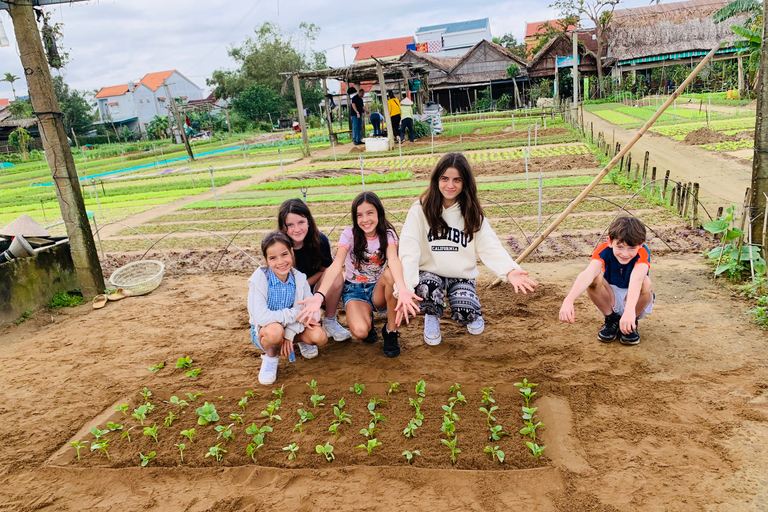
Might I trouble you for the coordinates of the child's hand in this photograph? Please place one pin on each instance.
(311, 309)
(286, 347)
(567, 313)
(627, 324)
(520, 283)
(406, 306)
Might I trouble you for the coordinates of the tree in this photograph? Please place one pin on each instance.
(512, 71)
(547, 31)
(750, 30)
(600, 13)
(158, 126)
(10, 78)
(77, 112)
(21, 109)
(259, 101)
(19, 138)
(509, 41)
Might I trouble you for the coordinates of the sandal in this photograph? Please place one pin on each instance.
(99, 301)
(120, 293)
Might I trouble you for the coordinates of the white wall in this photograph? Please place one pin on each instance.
(146, 109)
(181, 86)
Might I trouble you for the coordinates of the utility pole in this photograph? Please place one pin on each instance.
(57, 151)
(760, 159)
(178, 121)
(575, 75)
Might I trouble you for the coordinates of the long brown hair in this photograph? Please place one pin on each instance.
(432, 199)
(312, 240)
(382, 227)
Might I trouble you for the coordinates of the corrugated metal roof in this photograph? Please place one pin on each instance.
(459, 26)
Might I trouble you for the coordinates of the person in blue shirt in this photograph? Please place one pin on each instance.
(617, 281)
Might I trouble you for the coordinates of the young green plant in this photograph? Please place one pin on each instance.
(372, 443)
(216, 451)
(78, 445)
(326, 450)
(146, 458)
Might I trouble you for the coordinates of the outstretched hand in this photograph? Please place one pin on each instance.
(406, 306)
(311, 312)
(517, 278)
(567, 312)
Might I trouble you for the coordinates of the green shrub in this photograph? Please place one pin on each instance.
(65, 299)
(420, 129)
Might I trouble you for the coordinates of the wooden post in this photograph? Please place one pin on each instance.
(57, 150)
(629, 164)
(680, 197)
(672, 196)
(637, 171)
(591, 132)
(695, 210)
(686, 199)
(302, 121)
(183, 133)
(385, 105)
(653, 181)
(645, 165)
(331, 136)
(229, 124)
(645, 174)
(664, 190)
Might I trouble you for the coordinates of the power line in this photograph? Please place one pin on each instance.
(224, 40)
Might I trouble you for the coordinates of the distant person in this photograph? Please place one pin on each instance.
(358, 117)
(394, 114)
(617, 281)
(376, 120)
(406, 123)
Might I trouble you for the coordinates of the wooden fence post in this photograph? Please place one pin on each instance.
(653, 181)
(695, 212)
(637, 171)
(672, 196)
(664, 190)
(686, 199)
(629, 164)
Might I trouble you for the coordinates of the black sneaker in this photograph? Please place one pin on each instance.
(391, 344)
(610, 330)
(633, 338)
(372, 334)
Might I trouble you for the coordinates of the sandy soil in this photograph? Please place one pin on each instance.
(676, 423)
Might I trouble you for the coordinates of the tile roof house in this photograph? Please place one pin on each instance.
(453, 39)
(134, 105)
(534, 31)
(384, 50)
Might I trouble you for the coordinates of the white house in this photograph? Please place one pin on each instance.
(452, 39)
(134, 105)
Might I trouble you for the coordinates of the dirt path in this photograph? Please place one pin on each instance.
(723, 180)
(678, 423)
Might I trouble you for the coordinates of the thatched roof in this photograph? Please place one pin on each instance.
(361, 72)
(445, 64)
(668, 28)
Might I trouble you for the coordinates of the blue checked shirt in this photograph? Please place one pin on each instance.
(280, 295)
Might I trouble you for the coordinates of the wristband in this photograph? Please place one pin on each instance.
(322, 294)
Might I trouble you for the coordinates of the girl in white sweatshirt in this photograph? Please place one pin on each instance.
(443, 235)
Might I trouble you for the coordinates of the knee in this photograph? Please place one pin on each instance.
(386, 277)
(316, 336)
(647, 287)
(359, 331)
(271, 334)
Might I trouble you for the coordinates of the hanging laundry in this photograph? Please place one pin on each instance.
(434, 46)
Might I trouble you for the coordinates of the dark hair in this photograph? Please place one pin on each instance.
(275, 237)
(629, 230)
(383, 225)
(432, 199)
(312, 240)
(352, 90)
(390, 95)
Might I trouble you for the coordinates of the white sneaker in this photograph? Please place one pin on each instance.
(307, 351)
(432, 330)
(477, 326)
(334, 330)
(268, 372)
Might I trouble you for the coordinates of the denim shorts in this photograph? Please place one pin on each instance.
(360, 291)
(255, 340)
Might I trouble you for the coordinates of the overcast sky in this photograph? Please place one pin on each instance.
(113, 41)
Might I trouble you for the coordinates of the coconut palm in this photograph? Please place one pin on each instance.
(751, 30)
(10, 78)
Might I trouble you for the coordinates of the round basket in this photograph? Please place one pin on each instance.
(141, 277)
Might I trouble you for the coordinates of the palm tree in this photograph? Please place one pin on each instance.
(10, 78)
(751, 30)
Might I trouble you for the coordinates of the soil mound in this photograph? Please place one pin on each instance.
(706, 135)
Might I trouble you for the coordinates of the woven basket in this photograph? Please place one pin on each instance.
(141, 277)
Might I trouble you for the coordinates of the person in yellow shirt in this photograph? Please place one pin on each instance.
(394, 113)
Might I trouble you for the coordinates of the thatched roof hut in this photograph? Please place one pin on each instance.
(543, 63)
(668, 31)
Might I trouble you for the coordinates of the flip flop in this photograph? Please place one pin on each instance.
(99, 301)
(120, 293)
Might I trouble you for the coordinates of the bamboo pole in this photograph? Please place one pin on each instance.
(584, 193)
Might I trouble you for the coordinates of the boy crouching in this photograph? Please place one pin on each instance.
(617, 281)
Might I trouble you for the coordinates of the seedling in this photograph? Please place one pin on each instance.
(530, 429)
(341, 403)
(145, 393)
(156, 368)
(421, 388)
(527, 394)
(140, 413)
(98, 433)
(449, 412)
(252, 394)
(413, 425)
(79, 445)
(416, 404)
(123, 408)
(536, 450)
(393, 387)
(206, 414)
(377, 417)
(181, 447)
(452, 445)
(251, 450)
(291, 449)
(192, 397)
(127, 433)
(410, 454)
(169, 419)
(242, 403)
(272, 408)
(341, 416)
(184, 362)
(304, 416)
(111, 425)
(101, 445)
(373, 402)
(459, 398)
(326, 450)
(313, 386)
(216, 451)
(335, 428)
(528, 412)
(151, 431)
(487, 398)
(146, 458)
(237, 417)
(189, 434)
(449, 427)
(496, 454)
(372, 443)
(496, 433)
(358, 388)
(489, 414)
(370, 431)
(225, 432)
(181, 403)
(258, 435)
(150, 407)
(317, 400)
(279, 392)
(456, 386)
(194, 373)
(525, 384)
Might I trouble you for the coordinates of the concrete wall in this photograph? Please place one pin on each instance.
(29, 284)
